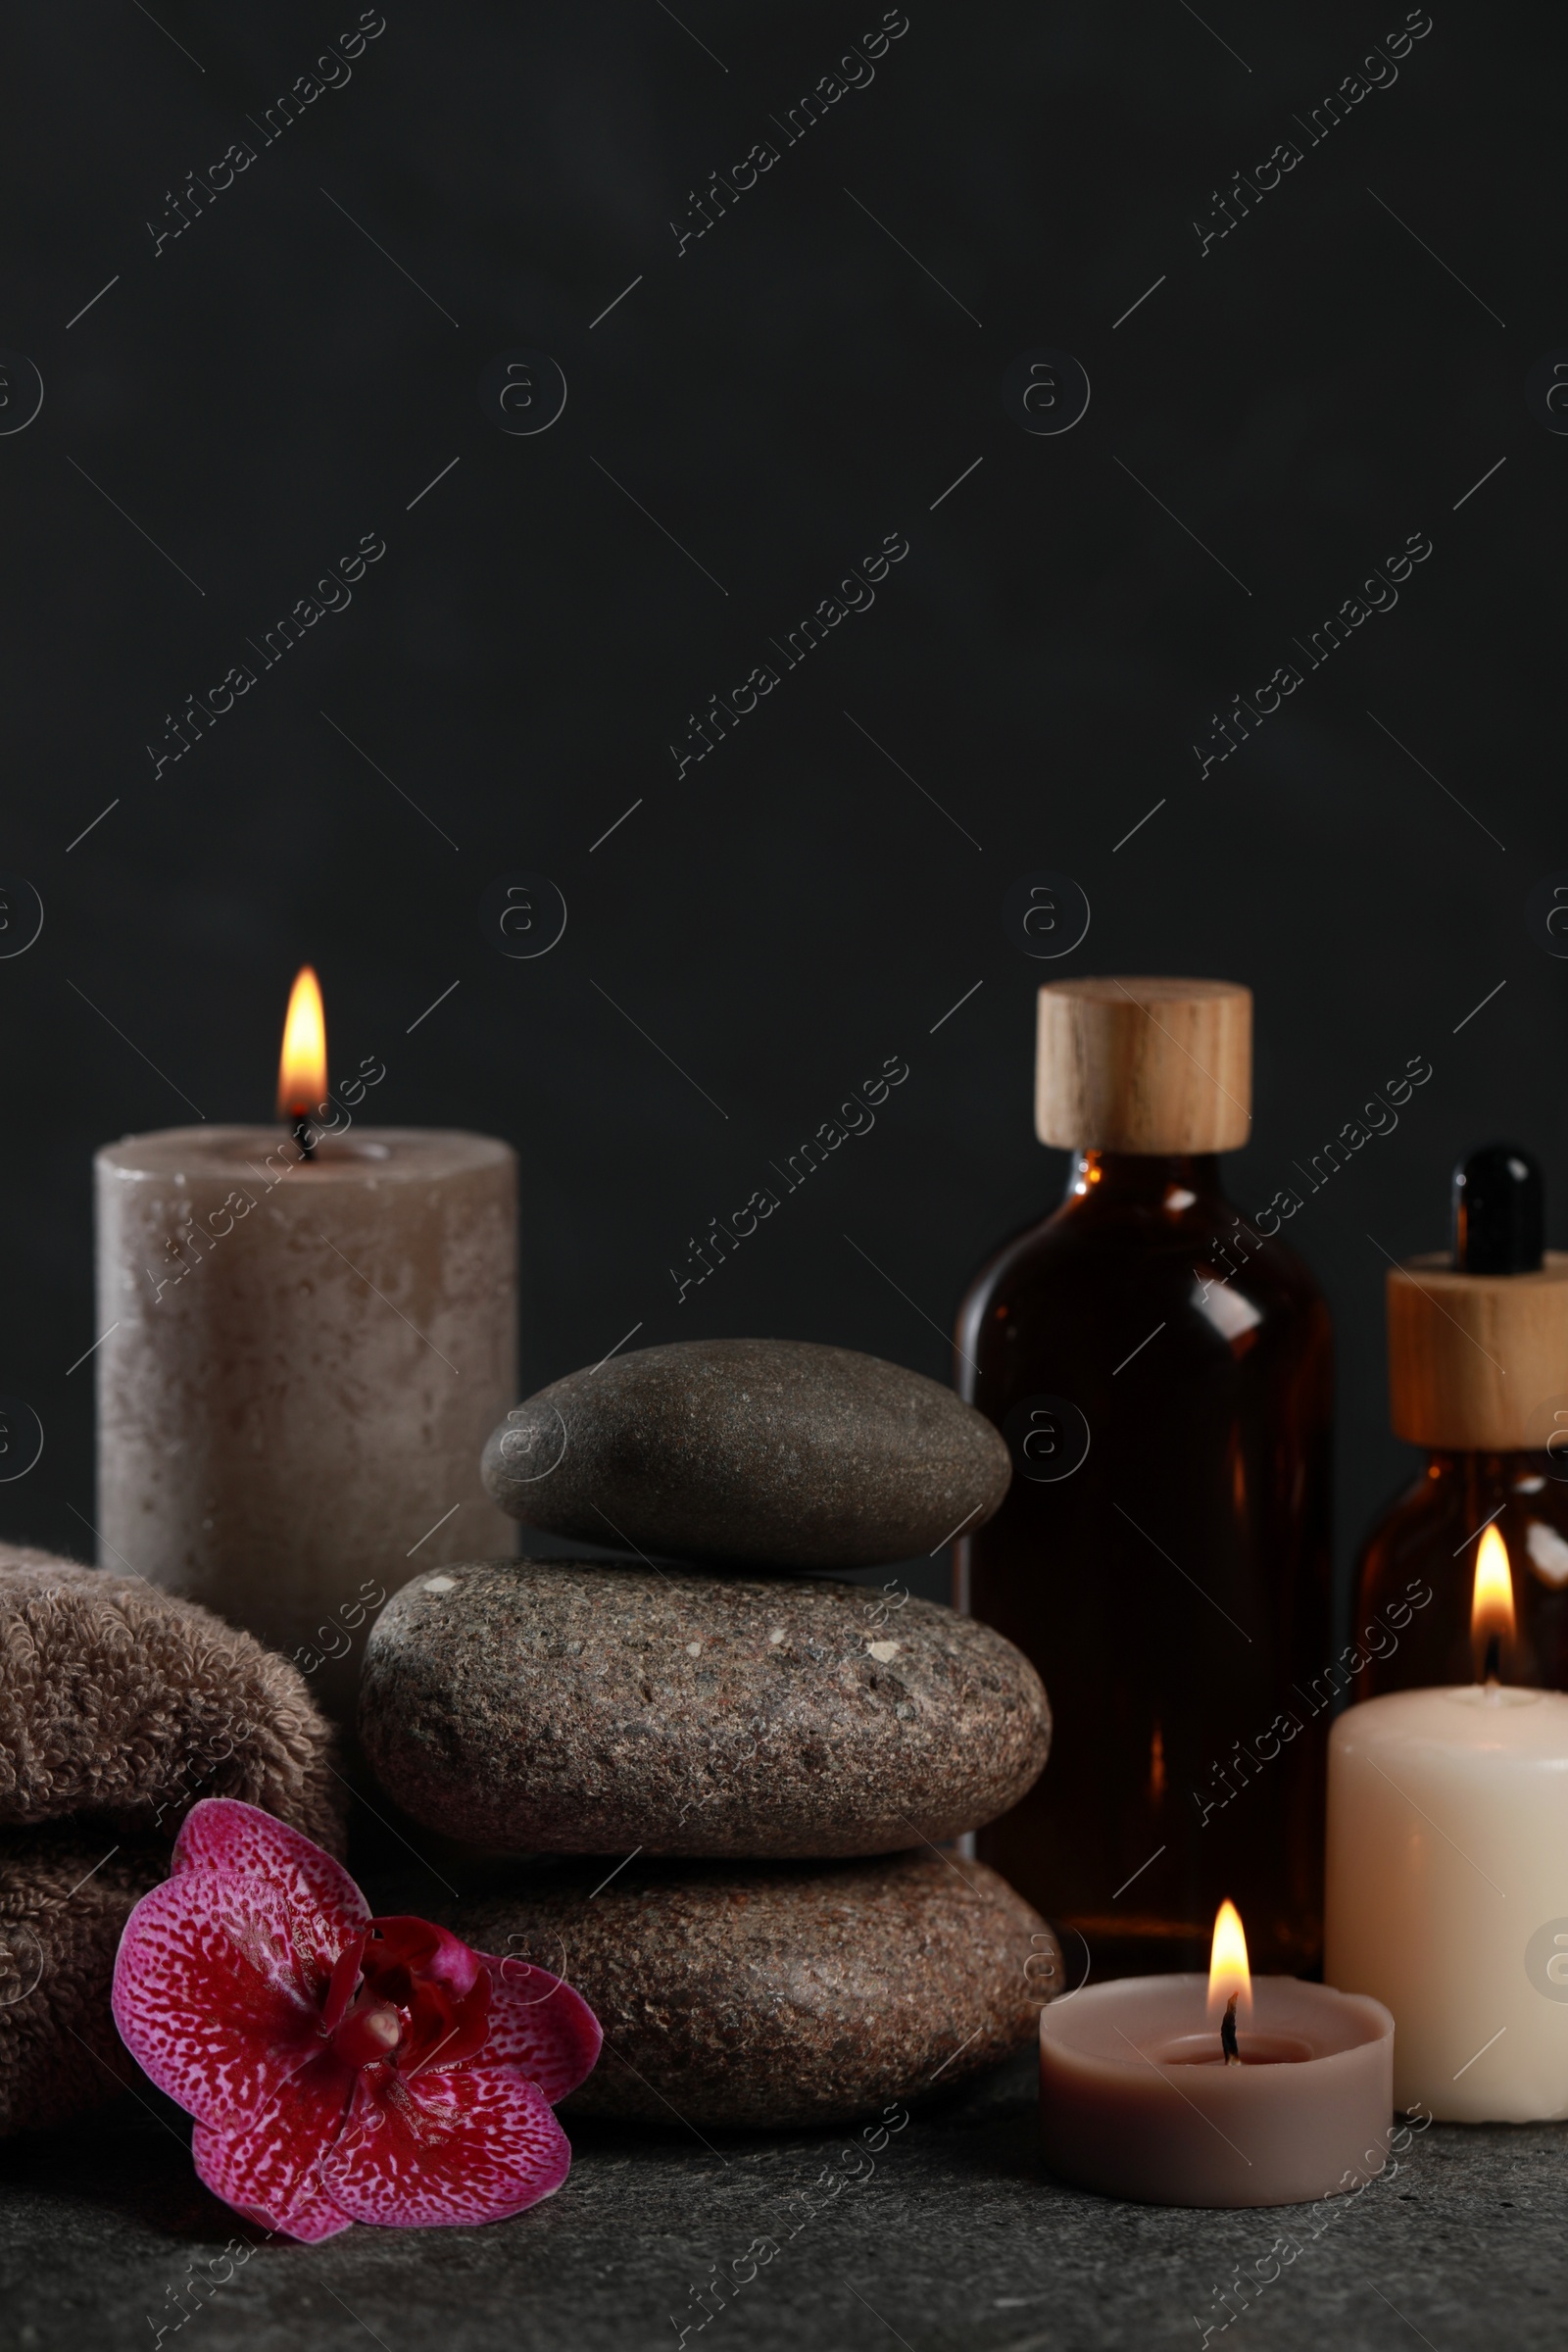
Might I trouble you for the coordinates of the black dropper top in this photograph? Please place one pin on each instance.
(1500, 1216)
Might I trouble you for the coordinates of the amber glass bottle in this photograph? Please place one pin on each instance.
(1161, 1369)
(1478, 1376)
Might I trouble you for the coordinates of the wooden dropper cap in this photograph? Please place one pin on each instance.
(1143, 1065)
(1478, 1340)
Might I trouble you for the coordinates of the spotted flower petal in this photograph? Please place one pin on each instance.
(473, 2146)
(540, 2026)
(222, 1833)
(268, 2163)
(210, 1994)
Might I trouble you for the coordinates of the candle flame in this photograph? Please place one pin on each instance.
(1491, 1609)
(1228, 1971)
(302, 1067)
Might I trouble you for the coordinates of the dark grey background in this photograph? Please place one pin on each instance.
(780, 397)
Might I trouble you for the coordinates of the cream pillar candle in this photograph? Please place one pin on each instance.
(1448, 1877)
(303, 1357)
(1448, 1893)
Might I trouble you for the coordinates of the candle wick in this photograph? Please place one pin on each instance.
(1227, 2034)
(1491, 1671)
(304, 1136)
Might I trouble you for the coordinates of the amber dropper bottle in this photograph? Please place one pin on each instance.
(1477, 1377)
(1162, 1370)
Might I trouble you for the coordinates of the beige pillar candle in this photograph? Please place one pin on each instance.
(1448, 1893)
(301, 1359)
(1447, 1877)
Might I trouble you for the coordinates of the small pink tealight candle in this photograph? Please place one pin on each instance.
(1186, 2090)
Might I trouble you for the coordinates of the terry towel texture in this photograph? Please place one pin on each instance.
(119, 1706)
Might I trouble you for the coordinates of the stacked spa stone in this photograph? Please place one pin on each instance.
(751, 1765)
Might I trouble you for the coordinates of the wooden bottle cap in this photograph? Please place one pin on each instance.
(1143, 1065)
(1474, 1357)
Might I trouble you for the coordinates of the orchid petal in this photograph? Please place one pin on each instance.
(209, 1994)
(540, 2026)
(470, 2146)
(418, 1943)
(222, 1833)
(268, 2163)
(341, 1984)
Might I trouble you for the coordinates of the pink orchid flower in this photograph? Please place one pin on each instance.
(341, 2068)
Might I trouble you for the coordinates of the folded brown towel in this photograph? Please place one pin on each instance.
(119, 1707)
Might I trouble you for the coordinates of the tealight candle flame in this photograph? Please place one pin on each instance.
(1229, 1976)
(302, 1067)
(1491, 1621)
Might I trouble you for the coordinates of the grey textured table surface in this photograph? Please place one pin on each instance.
(958, 2239)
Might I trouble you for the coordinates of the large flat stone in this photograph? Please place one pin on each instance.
(568, 1708)
(781, 1993)
(765, 1453)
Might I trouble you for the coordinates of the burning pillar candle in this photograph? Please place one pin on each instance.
(310, 1330)
(1193, 2090)
(1448, 1877)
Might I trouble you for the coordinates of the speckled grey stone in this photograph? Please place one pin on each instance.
(763, 1452)
(782, 1994)
(567, 1709)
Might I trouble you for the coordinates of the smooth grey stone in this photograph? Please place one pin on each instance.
(565, 1708)
(757, 1452)
(780, 1993)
